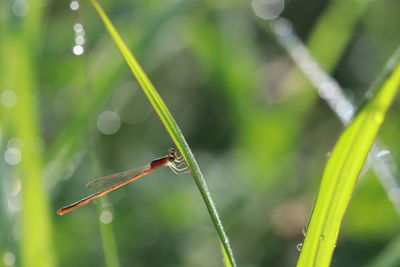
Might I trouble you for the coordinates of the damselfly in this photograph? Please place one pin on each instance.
(115, 181)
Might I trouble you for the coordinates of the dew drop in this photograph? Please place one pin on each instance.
(382, 153)
(304, 231)
(299, 246)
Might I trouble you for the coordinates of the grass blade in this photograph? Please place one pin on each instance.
(36, 226)
(171, 127)
(384, 171)
(71, 136)
(343, 167)
(389, 257)
(109, 244)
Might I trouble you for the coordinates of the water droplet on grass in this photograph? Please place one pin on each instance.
(382, 153)
(304, 231)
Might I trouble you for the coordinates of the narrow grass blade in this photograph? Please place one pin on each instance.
(36, 227)
(109, 244)
(70, 137)
(171, 127)
(336, 100)
(343, 167)
(225, 256)
(330, 37)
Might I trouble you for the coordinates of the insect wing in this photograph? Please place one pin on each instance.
(102, 183)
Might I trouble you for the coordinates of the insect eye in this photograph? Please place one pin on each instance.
(171, 151)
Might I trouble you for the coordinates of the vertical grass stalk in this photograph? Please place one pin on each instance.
(171, 127)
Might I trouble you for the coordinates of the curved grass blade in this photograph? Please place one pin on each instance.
(171, 127)
(343, 167)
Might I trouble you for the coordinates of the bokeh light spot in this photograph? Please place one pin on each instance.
(282, 26)
(12, 156)
(20, 8)
(106, 217)
(15, 142)
(108, 122)
(16, 187)
(78, 27)
(382, 153)
(74, 5)
(8, 98)
(79, 40)
(78, 50)
(268, 9)
(9, 258)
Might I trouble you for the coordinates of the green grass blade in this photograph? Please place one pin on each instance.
(106, 229)
(171, 127)
(334, 30)
(343, 167)
(109, 244)
(71, 136)
(389, 257)
(36, 226)
(225, 256)
(330, 37)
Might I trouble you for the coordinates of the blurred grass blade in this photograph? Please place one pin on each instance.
(36, 227)
(334, 30)
(108, 239)
(225, 256)
(171, 127)
(385, 171)
(330, 37)
(389, 257)
(343, 167)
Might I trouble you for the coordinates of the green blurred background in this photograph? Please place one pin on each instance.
(70, 111)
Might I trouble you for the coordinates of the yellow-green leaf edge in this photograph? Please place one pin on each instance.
(343, 167)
